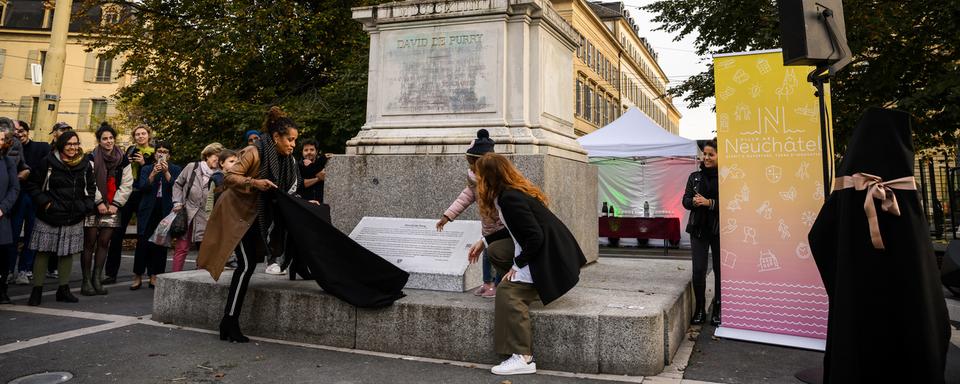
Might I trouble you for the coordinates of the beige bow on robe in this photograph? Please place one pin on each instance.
(876, 189)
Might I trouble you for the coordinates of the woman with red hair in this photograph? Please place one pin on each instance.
(545, 264)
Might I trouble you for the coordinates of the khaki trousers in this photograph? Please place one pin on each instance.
(511, 330)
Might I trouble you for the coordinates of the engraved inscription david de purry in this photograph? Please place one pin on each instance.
(441, 72)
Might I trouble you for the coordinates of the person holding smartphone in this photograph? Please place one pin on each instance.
(156, 186)
(140, 154)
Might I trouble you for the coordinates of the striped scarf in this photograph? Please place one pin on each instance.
(282, 171)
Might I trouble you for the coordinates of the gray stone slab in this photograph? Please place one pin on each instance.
(623, 317)
(274, 307)
(423, 186)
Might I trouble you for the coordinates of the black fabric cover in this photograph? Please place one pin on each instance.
(340, 266)
(888, 320)
(546, 244)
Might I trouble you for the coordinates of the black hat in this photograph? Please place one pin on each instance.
(481, 145)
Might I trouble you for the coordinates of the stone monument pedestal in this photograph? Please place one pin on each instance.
(441, 70)
(423, 186)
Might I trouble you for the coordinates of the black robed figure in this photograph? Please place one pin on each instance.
(888, 320)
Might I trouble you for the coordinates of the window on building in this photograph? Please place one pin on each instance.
(3, 11)
(33, 111)
(578, 111)
(588, 103)
(43, 59)
(104, 69)
(599, 106)
(98, 112)
(111, 15)
(589, 55)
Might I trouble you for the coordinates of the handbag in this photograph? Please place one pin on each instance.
(179, 225)
(161, 236)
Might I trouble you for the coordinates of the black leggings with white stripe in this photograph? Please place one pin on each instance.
(249, 254)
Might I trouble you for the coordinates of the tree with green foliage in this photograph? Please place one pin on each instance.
(906, 56)
(208, 70)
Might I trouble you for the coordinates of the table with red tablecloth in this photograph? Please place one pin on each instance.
(667, 228)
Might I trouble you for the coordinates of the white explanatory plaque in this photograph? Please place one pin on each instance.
(435, 260)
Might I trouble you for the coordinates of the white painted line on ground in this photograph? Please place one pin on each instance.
(63, 336)
(71, 313)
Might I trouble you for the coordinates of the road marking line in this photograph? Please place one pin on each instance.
(72, 313)
(63, 336)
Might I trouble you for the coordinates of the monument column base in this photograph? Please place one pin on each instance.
(423, 186)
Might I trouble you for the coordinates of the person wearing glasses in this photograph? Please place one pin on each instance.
(156, 187)
(63, 189)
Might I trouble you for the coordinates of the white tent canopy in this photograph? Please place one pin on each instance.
(640, 164)
(634, 134)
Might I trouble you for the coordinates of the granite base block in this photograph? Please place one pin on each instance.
(423, 186)
(274, 307)
(471, 278)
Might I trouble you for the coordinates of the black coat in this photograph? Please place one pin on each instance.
(69, 191)
(887, 320)
(703, 221)
(9, 191)
(340, 265)
(547, 246)
(149, 203)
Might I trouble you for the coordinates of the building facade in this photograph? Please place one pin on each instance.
(614, 68)
(89, 79)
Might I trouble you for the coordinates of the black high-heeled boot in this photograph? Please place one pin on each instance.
(230, 330)
(63, 294)
(715, 314)
(699, 316)
(35, 294)
(4, 299)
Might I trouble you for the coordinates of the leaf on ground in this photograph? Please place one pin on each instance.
(156, 354)
(219, 375)
(506, 382)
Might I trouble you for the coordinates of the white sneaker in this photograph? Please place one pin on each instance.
(29, 274)
(274, 269)
(515, 365)
(53, 275)
(22, 278)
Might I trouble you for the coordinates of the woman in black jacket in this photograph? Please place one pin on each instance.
(9, 190)
(62, 189)
(700, 197)
(545, 265)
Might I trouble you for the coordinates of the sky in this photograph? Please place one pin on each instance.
(678, 60)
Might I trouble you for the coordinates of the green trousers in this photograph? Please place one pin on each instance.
(512, 332)
(40, 267)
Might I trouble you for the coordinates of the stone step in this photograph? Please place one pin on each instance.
(625, 317)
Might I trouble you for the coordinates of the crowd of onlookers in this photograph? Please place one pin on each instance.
(58, 203)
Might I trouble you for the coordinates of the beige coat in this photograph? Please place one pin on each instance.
(196, 203)
(234, 213)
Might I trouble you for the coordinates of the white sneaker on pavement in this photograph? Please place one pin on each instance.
(53, 275)
(274, 269)
(22, 278)
(515, 365)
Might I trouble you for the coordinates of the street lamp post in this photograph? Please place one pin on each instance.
(49, 103)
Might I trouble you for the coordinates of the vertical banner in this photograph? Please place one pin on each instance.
(771, 188)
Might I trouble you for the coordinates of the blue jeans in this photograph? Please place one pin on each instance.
(488, 275)
(23, 213)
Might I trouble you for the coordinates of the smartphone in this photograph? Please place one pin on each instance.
(161, 157)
